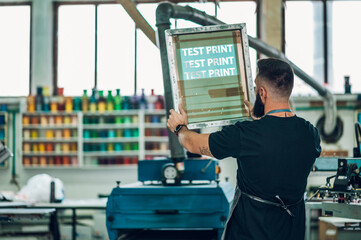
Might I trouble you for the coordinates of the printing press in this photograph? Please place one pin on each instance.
(343, 197)
(170, 196)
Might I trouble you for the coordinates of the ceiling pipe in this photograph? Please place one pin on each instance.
(166, 10)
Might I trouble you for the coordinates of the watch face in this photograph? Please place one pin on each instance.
(170, 172)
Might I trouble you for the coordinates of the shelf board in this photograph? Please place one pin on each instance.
(154, 112)
(49, 154)
(52, 167)
(53, 140)
(156, 152)
(132, 153)
(111, 113)
(84, 167)
(50, 113)
(38, 126)
(110, 140)
(155, 125)
(110, 126)
(110, 166)
(156, 139)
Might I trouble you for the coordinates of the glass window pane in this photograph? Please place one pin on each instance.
(116, 31)
(345, 42)
(304, 41)
(149, 73)
(149, 67)
(76, 46)
(15, 50)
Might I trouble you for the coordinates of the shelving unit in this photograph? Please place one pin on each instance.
(106, 139)
(4, 134)
(51, 139)
(155, 135)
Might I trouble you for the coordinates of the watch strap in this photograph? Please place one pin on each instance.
(178, 128)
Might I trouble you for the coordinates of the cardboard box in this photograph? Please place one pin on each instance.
(335, 228)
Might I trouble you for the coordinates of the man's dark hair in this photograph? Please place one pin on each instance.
(278, 74)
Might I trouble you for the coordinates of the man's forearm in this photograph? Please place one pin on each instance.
(194, 142)
(185, 137)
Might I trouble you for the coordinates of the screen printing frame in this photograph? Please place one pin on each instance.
(244, 67)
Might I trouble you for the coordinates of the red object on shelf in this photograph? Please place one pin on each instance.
(66, 161)
(58, 161)
(126, 160)
(134, 160)
(51, 161)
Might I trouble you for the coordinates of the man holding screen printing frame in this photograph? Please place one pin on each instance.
(274, 153)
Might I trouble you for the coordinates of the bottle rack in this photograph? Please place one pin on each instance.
(51, 139)
(92, 139)
(3, 134)
(155, 135)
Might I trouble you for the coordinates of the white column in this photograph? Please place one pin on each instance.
(42, 44)
(271, 22)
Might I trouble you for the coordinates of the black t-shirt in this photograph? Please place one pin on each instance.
(274, 156)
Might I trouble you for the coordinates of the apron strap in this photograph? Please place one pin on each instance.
(281, 204)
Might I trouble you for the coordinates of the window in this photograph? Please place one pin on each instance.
(76, 58)
(149, 67)
(115, 49)
(326, 60)
(15, 50)
(86, 58)
(304, 42)
(345, 39)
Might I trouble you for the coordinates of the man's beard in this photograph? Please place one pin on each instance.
(258, 108)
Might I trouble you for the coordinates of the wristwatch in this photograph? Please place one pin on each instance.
(177, 129)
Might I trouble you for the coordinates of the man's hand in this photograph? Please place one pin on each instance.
(250, 109)
(176, 119)
(192, 141)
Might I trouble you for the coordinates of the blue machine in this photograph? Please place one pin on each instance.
(198, 201)
(192, 170)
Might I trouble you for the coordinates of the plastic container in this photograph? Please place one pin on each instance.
(85, 101)
(151, 100)
(31, 103)
(61, 100)
(118, 101)
(101, 102)
(68, 104)
(39, 99)
(93, 102)
(110, 101)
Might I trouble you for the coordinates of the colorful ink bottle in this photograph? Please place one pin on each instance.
(110, 101)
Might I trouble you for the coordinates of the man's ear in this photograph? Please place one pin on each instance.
(263, 93)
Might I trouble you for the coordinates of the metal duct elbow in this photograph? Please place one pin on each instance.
(164, 13)
(167, 10)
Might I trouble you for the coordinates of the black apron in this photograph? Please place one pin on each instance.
(237, 196)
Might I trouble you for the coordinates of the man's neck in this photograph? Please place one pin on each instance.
(276, 105)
